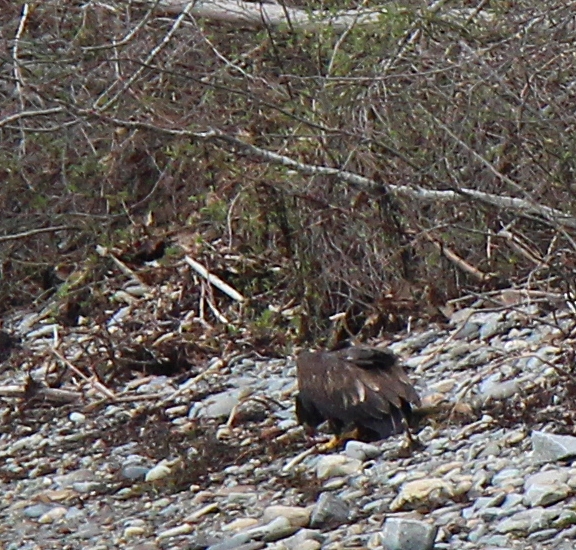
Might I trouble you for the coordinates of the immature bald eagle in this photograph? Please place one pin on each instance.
(362, 392)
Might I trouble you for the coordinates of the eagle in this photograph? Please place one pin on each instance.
(361, 391)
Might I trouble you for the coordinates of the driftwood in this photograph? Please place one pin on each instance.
(273, 15)
(55, 395)
(259, 15)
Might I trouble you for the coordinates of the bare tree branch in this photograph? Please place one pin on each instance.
(33, 232)
(551, 216)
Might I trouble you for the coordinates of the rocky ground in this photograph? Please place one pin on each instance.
(212, 457)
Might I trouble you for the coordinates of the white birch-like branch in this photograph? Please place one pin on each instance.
(272, 15)
(214, 280)
(522, 207)
(258, 15)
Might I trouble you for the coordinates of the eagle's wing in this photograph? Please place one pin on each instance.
(379, 370)
(361, 386)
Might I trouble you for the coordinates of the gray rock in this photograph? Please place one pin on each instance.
(495, 387)
(495, 542)
(477, 532)
(567, 542)
(303, 538)
(296, 515)
(528, 521)
(540, 536)
(512, 500)
(492, 449)
(490, 514)
(201, 542)
(493, 325)
(362, 451)
(337, 465)
(219, 405)
(70, 479)
(423, 493)
(252, 545)
(460, 316)
(419, 341)
(376, 506)
(490, 502)
(543, 357)
(408, 534)
(37, 510)
(509, 477)
(566, 519)
(77, 417)
(421, 362)
(551, 447)
(88, 486)
(545, 488)
(502, 390)
(458, 350)
(133, 472)
(329, 510)
(234, 543)
(278, 528)
(469, 331)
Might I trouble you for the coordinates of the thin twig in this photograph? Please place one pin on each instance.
(216, 366)
(458, 261)
(299, 458)
(98, 386)
(19, 79)
(30, 114)
(121, 265)
(155, 51)
(32, 232)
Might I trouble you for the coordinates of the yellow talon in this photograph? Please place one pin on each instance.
(334, 443)
(338, 440)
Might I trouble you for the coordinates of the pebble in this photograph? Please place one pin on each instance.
(220, 405)
(240, 524)
(53, 515)
(279, 528)
(77, 417)
(362, 451)
(549, 447)
(133, 531)
(297, 516)
(528, 521)
(469, 331)
(37, 510)
(241, 541)
(423, 493)
(545, 488)
(337, 465)
(183, 529)
(160, 471)
(496, 480)
(408, 534)
(304, 538)
(329, 511)
(134, 472)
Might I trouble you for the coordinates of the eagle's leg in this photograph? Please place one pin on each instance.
(337, 440)
(334, 443)
(411, 444)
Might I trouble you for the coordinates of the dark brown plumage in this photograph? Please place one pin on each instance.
(357, 389)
